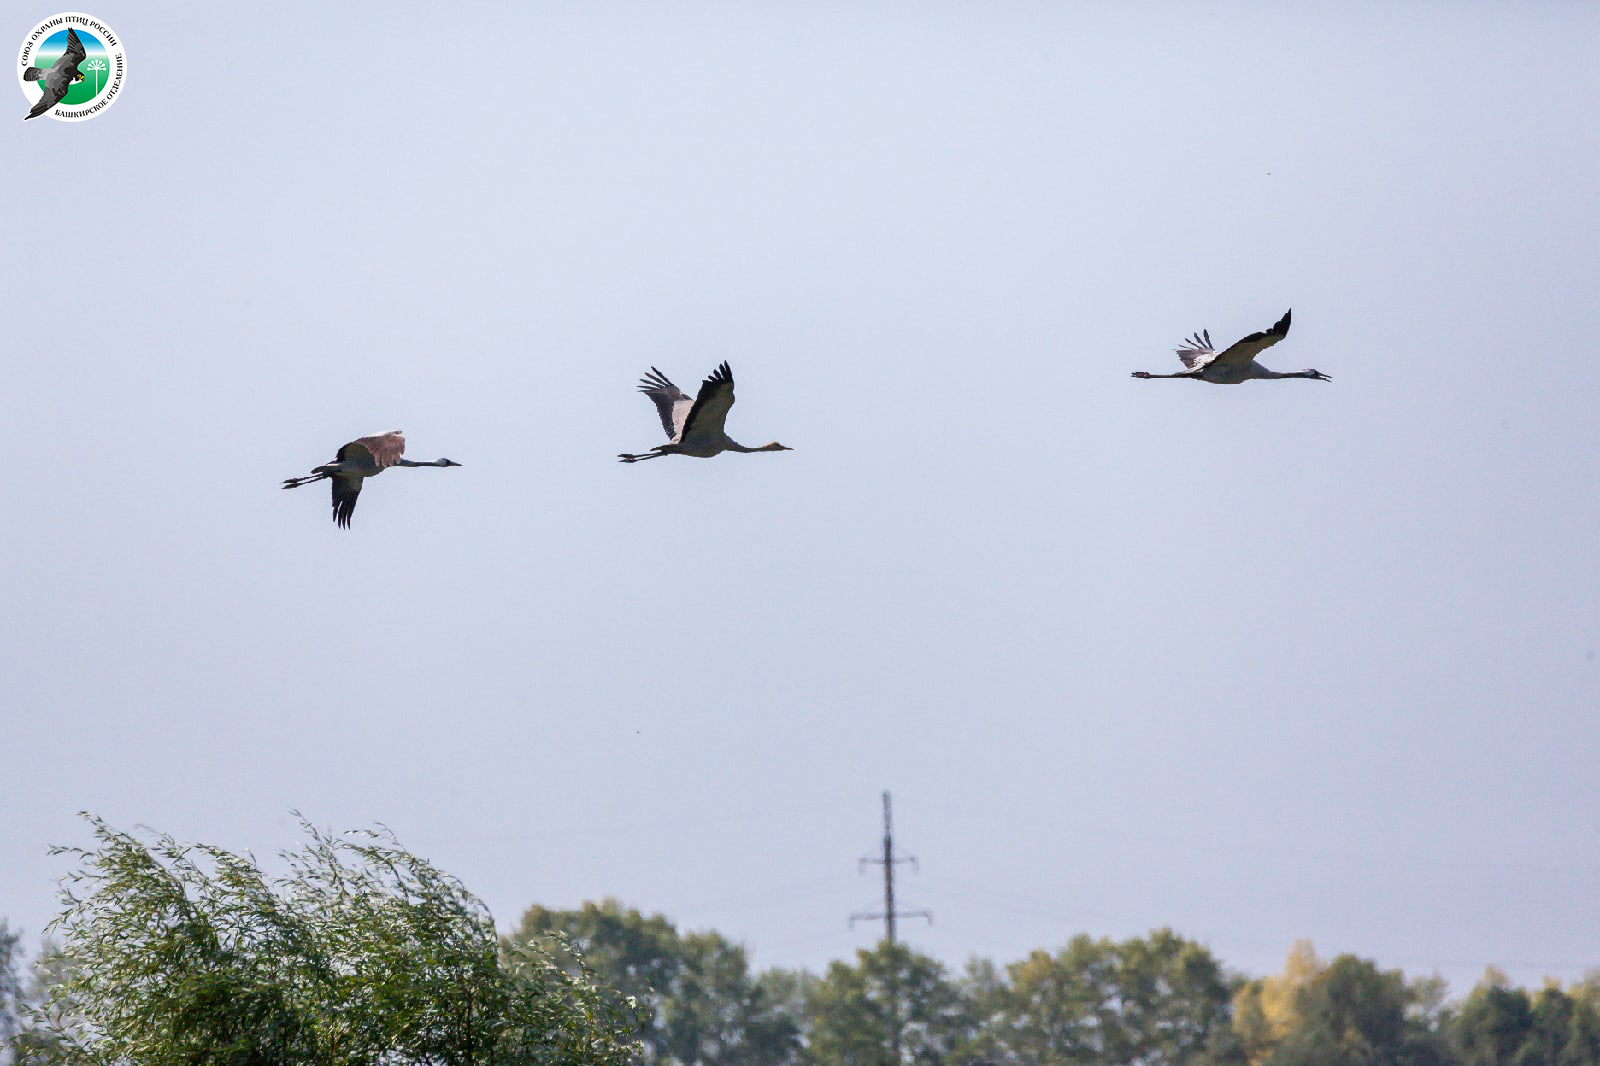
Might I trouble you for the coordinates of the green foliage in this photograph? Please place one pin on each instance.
(1552, 1026)
(26, 1036)
(1500, 1025)
(788, 993)
(1583, 1041)
(690, 994)
(45, 1013)
(1350, 1013)
(361, 953)
(1494, 1022)
(853, 1010)
(1155, 1000)
(10, 983)
(364, 954)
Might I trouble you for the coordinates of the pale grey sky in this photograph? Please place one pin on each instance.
(1274, 661)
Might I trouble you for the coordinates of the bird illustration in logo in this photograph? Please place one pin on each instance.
(59, 78)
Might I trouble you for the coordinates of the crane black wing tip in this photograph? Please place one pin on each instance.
(1281, 327)
(344, 503)
(722, 373)
(655, 380)
(1194, 348)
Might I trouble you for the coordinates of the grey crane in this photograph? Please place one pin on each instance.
(694, 427)
(1235, 363)
(362, 458)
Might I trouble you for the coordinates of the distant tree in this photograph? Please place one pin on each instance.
(1551, 1027)
(24, 1040)
(1503, 1025)
(1495, 1021)
(631, 954)
(1583, 1041)
(1354, 1014)
(1428, 1003)
(1175, 998)
(363, 953)
(46, 1012)
(692, 996)
(1266, 1010)
(10, 983)
(851, 1013)
(1148, 1000)
(1350, 1013)
(789, 993)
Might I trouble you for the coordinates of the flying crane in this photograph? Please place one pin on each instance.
(362, 458)
(694, 427)
(1235, 363)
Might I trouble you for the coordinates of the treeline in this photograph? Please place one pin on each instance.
(363, 953)
(1156, 999)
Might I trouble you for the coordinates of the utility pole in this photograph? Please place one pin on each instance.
(889, 914)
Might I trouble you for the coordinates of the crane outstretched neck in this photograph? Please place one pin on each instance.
(1314, 374)
(735, 446)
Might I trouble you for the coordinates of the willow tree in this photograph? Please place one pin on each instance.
(359, 953)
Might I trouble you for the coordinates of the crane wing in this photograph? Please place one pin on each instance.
(710, 408)
(383, 449)
(346, 487)
(672, 403)
(1242, 351)
(1196, 351)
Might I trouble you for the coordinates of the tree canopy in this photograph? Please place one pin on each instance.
(1149, 1000)
(855, 1008)
(691, 995)
(360, 953)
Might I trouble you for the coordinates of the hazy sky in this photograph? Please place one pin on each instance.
(1280, 660)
